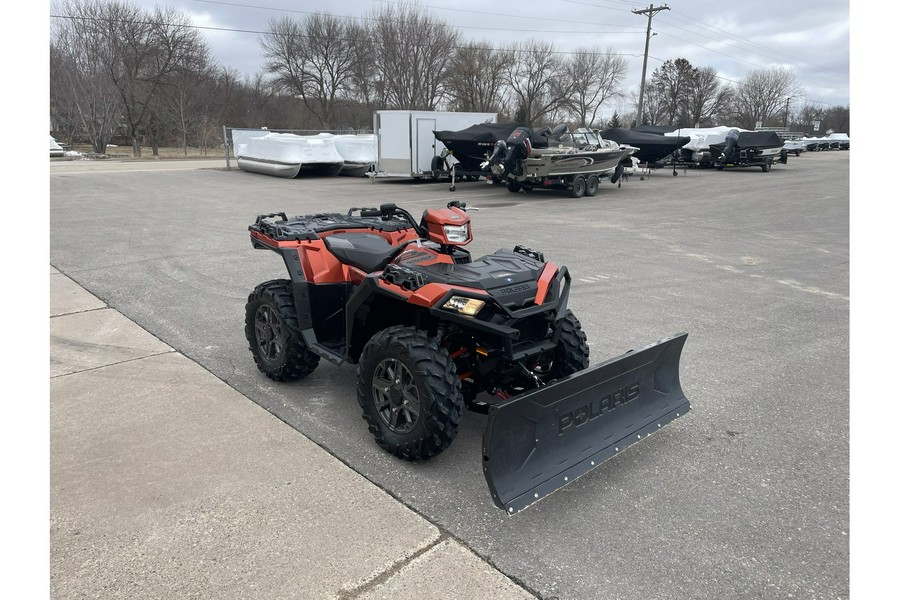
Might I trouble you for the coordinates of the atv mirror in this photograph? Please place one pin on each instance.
(457, 204)
(388, 210)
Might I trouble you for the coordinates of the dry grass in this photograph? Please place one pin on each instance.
(126, 152)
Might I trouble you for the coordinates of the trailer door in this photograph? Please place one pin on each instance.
(425, 151)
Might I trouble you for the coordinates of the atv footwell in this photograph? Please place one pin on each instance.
(541, 440)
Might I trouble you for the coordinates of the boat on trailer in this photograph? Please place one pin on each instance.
(570, 160)
(749, 149)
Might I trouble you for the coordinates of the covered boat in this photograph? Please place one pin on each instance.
(657, 129)
(359, 152)
(285, 154)
(652, 147)
(838, 141)
(55, 148)
(473, 145)
(749, 149)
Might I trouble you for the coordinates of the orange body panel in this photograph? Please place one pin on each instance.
(544, 282)
(435, 219)
(428, 295)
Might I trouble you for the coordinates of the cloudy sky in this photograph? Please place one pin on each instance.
(811, 37)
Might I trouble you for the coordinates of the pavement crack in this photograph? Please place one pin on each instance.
(393, 569)
(113, 364)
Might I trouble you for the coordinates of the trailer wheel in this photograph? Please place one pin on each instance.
(437, 165)
(592, 185)
(410, 394)
(272, 328)
(513, 186)
(579, 186)
(766, 167)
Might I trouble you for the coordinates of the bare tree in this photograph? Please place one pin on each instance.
(411, 51)
(653, 107)
(312, 60)
(837, 118)
(596, 76)
(475, 80)
(80, 92)
(762, 94)
(672, 81)
(184, 102)
(538, 85)
(367, 81)
(140, 51)
(705, 97)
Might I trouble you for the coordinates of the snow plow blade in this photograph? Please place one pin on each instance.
(541, 440)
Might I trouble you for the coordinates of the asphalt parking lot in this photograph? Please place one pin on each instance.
(747, 496)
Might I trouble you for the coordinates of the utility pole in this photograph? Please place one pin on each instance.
(787, 108)
(649, 12)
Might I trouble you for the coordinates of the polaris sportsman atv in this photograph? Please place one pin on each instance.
(433, 331)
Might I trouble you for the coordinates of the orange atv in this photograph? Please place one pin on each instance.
(433, 331)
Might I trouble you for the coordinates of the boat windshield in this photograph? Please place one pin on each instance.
(579, 139)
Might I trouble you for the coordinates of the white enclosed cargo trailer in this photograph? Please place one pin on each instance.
(406, 143)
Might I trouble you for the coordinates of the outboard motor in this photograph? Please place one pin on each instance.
(510, 155)
(496, 157)
(731, 145)
(518, 149)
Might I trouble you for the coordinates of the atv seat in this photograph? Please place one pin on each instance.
(366, 251)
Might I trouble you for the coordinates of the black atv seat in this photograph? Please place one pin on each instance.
(366, 251)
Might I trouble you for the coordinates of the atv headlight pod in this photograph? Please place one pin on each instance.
(463, 305)
(456, 233)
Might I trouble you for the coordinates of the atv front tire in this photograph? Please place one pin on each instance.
(410, 393)
(572, 353)
(272, 328)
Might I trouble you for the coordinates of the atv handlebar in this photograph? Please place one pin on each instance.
(391, 211)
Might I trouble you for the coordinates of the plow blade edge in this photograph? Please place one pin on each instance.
(542, 440)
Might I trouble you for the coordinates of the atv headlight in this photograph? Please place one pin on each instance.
(456, 233)
(463, 305)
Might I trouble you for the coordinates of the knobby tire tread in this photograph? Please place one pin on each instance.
(438, 386)
(298, 361)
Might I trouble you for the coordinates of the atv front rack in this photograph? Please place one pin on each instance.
(541, 440)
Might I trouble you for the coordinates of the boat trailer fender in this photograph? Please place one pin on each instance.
(541, 440)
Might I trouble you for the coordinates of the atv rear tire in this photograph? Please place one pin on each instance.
(410, 394)
(272, 328)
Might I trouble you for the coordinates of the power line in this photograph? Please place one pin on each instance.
(771, 53)
(456, 46)
(475, 12)
(257, 32)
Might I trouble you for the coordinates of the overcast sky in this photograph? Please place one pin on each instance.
(811, 37)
